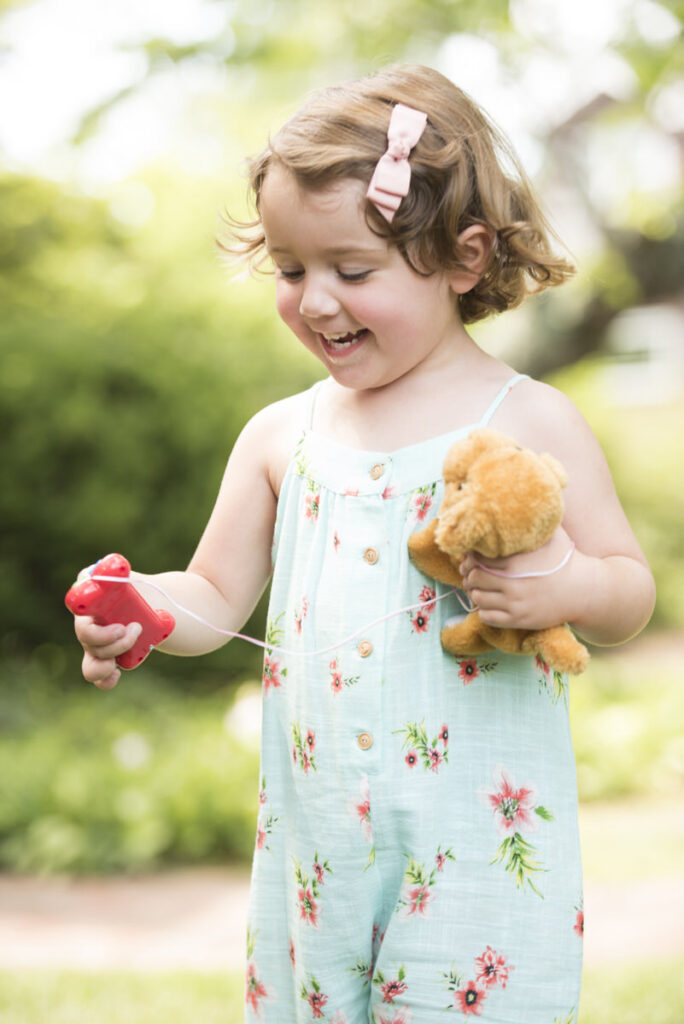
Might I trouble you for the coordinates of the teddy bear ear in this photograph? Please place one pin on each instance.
(463, 454)
(556, 468)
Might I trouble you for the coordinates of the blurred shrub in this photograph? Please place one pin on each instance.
(125, 780)
(128, 366)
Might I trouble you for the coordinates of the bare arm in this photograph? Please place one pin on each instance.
(606, 591)
(232, 563)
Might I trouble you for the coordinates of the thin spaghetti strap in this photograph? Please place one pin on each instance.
(313, 395)
(505, 390)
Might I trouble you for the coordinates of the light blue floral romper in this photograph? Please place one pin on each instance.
(417, 855)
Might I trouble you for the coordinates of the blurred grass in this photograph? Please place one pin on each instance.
(651, 993)
(145, 776)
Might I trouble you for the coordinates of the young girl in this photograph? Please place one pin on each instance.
(417, 847)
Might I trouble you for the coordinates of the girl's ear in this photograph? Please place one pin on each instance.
(476, 245)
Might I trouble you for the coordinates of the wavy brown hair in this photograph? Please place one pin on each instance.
(464, 172)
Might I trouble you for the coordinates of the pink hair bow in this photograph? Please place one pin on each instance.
(392, 175)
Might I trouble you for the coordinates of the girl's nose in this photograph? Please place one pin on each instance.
(317, 299)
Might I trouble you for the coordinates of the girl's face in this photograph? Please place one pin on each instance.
(349, 297)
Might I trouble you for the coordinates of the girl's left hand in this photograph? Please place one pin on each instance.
(532, 603)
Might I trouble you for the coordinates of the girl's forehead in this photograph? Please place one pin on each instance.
(280, 185)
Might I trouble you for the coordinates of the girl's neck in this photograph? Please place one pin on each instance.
(413, 408)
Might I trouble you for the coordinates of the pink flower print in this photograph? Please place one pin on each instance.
(303, 749)
(255, 990)
(317, 1001)
(395, 1016)
(391, 989)
(293, 955)
(337, 680)
(423, 501)
(420, 622)
(319, 872)
(444, 735)
(352, 492)
(336, 541)
(435, 757)
(313, 503)
(514, 809)
(541, 665)
(314, 997)
(579, 923)
(363, 809)
(300, 614)
(416, 741)
(261, 837)
(388, 493)
(440, 860)
(419, 898)
(272, 675)
(491, 969)
(427, 596)
(308, 908)
(468, 671)
(470, 998)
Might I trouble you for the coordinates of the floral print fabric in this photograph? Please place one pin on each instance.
(417, 853)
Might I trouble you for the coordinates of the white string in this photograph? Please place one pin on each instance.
(528, 575)
(272, 647)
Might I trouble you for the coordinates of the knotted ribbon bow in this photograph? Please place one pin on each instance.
(392, 175)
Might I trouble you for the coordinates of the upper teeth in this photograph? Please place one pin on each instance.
(336, 337)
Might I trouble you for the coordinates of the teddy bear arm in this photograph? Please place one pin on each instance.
(559, 648)
(464, 639)
(430, 559)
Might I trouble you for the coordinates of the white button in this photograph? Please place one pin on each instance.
(377, 471)
(365, 648)
(371, 556)
(364, 740)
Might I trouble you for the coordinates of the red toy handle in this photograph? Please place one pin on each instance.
(109, 601)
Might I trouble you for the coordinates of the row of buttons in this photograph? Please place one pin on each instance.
(365, 648)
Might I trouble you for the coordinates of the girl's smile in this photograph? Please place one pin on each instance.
(348, 296)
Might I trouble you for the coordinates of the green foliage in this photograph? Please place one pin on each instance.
(628, 721)
(117, 997)
(126, 373)
(124, 780)
(643, 447)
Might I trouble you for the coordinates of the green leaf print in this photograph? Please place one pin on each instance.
(518, 857)
(571, 1018)
(415, 739)
(303, 749)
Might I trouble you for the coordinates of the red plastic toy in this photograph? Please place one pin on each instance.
(109, 601)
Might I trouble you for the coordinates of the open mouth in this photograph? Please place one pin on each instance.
(343, 342)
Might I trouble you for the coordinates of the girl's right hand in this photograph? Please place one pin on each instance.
(101, 646)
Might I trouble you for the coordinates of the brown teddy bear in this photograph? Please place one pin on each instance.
(499, 499)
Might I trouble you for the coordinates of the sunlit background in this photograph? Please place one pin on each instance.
(130, 359)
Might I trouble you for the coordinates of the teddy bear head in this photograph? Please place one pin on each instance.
(499, 498)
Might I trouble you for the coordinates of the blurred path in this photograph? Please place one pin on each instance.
(196, 919)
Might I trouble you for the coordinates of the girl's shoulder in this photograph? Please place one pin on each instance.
(274, 432)
(540, 416)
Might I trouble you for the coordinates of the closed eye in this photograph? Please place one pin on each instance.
(361, 275)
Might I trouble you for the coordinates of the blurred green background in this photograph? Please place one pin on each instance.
(130, 359)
